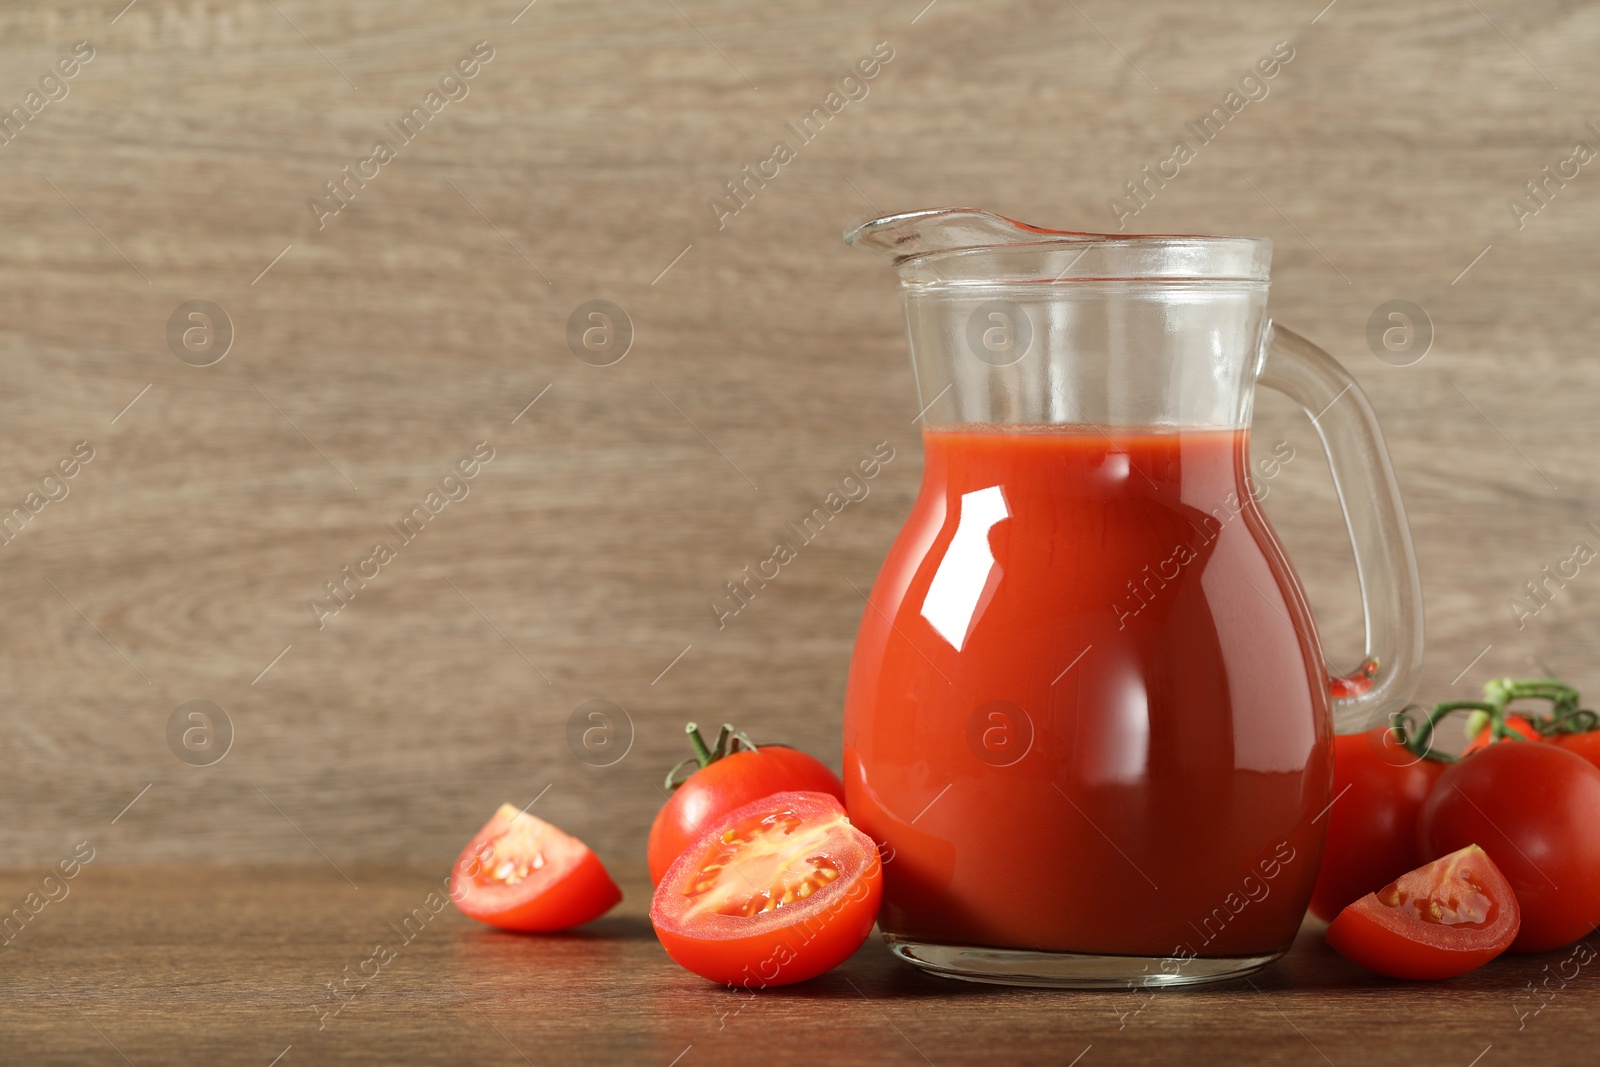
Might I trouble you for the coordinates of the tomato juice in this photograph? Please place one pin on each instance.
(1087, 711)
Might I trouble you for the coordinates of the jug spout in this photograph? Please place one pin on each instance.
(949, 229)
(973, 246)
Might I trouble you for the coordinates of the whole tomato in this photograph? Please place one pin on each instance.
(1535, 809)
(1483, 734)
(1585, 744)
(1379, 786)
(731, 774)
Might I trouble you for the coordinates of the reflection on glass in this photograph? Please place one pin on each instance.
(958, 585)
(1116, 739)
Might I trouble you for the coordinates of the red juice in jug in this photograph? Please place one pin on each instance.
(1087, 711)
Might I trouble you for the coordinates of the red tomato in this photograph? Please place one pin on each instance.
(1534, 808)
(1379, 786)
(731, 781)
(775, 892)
(1586, 745)
(521, 873)
(1484, 737)
(1438, 921)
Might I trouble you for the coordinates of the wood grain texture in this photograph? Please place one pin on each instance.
(430, 311)
(213, 965)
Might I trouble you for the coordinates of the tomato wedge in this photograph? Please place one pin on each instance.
(1438, 921)
(521, 873)
(775, 892)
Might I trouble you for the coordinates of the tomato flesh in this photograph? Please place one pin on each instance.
(522, 873)
(1379, 786)
(776, 892)
(1438, 921)
(1534, 807)
(732, 781)
(763, 864)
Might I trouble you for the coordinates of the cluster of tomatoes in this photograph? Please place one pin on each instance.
(760, 878)
(1434, 864)
(1511, 827)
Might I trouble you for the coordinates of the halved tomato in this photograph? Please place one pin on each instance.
(521, 873)
(775, 892)
(1438, 921)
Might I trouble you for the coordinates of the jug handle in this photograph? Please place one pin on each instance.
(1386, 562)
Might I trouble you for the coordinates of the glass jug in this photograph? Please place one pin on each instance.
(1088, 716)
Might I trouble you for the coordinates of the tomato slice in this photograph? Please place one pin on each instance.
(522, 873)
(777, 891)
(1438, 921)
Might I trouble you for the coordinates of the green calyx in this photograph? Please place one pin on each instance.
(1566, 714)
(728, 742)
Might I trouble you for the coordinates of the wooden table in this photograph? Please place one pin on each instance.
(231, 965)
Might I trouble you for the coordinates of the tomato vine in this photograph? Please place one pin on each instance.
(1566, 715)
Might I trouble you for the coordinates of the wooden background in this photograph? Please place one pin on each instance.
(767, 360)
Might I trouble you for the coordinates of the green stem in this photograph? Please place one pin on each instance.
(701, 752)
(1421, 745)
(1507, 690)
(1441, 710)
(1566, 715)
(727, 743)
